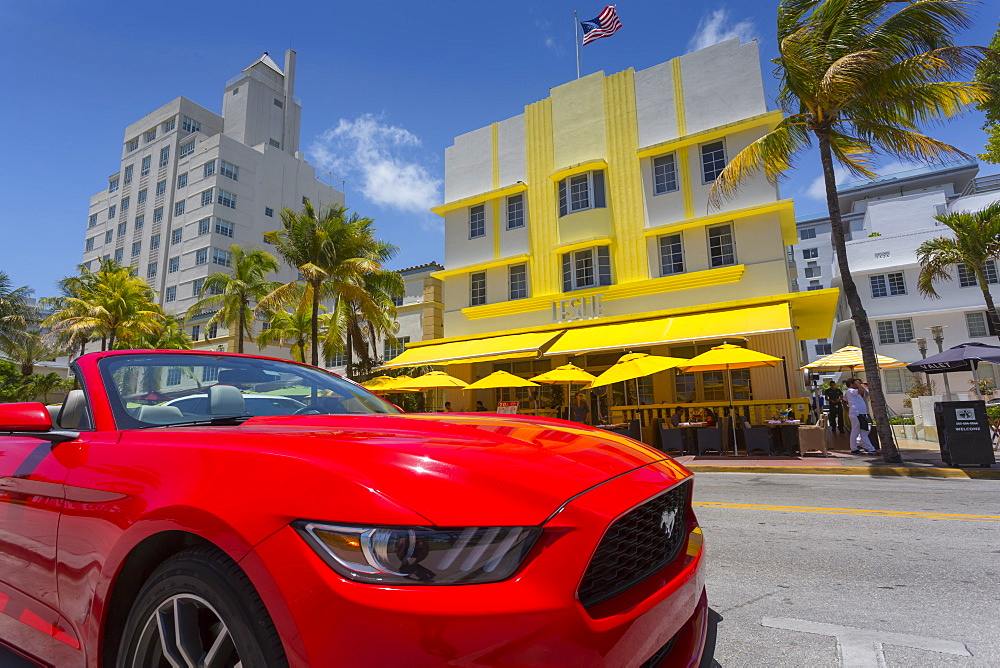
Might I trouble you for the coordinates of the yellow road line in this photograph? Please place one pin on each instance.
(849, 511)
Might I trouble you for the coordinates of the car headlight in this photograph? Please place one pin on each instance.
(418, 555)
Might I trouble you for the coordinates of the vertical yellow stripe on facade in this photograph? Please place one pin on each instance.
(543, 228)
(496, 184)
(624, 182)
(683, 153)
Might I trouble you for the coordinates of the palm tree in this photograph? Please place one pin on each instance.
(860, 78)
(116, 306)
(976, 240)
(171, 336)
(370, 318)
(232, 293)
(15, 314)
(28, 349)
(74, 286)
(333, 252)
(288, 326)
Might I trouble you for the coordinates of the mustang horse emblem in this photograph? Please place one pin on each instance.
(667, 522)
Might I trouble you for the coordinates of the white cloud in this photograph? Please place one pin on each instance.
(717, 26)
(382, 158)
(817, 189)
(551, 42)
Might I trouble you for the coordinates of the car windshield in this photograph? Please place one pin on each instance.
(162, 389)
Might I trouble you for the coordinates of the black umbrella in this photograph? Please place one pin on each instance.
(963, 357)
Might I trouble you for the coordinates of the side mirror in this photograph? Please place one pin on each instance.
(30, 416)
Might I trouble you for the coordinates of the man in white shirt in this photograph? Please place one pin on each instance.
(857, 411)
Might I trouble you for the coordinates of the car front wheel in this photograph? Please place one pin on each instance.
(199, 609)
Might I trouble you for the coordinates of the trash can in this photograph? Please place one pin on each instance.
(964, 433)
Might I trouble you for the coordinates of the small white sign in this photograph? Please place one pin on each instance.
(965, 414)
(508, 407)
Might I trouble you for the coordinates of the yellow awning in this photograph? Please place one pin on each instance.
(715, 325)
(480, 350)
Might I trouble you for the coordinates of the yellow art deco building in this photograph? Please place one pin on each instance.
(580, 230)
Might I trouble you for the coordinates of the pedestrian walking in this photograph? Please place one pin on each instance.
(579, 410)
(833, 396)
(857, 412)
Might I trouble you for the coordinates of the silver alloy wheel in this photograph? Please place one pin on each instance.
(185, 631)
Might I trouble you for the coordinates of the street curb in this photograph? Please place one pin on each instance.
(890, 471)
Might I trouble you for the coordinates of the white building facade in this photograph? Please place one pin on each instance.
(192, 182)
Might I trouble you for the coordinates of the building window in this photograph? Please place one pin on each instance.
(136, 248)
(172, 296)
(814, 272)
(113, 185)
(671, 255)
(195, 335)
(92, 221)
(515, 212)
(132, 145)
(274, 142)
(176, 236)
(887, 285)
(721, 246)
(581, 192)
(151, 270)
(210, 373)
(127, 179)
(161, 187)
(810, 253)
(119, 255)
(112, 212)
(967, 278)
(664, 174)
(213, 330)
(203, 226)
(976, 322)
(278, 103)
(90, 244)
(230, 171)
(392, 350)
(201, 257)
(190, 125)
(157, 214)
(124, 204)
(518, 275)
(477, 288)
(150, 135)
(269, 212)
(340, 359)
(895, 331)
(807, 233)
(227, 198)
(397, 301)
(209, 169)
(221, 257)
(196, 287)
(173, 373)
(142, 196)
(173, 264)
(823, 347)
(586, 268)
(186, 149)
(144, 167)
(109, 236)
(170, 125)
(814, 285)
(122, 229)
(154, 242)
(179, 208)
(713, 161)
(206, 197)
(477, 221)
(164, 156)
(140, 220)
(182, 180)
(224, 227)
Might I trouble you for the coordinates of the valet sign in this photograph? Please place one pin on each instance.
(577, 308)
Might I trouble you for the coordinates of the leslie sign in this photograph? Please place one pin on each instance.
(577, 308)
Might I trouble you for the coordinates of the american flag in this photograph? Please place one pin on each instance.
(605, 25)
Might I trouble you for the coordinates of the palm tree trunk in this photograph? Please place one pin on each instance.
(867, 343)
(239, 339)
(991, 310)
(349, 349)
(315, 325)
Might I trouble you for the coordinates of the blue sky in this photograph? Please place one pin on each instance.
(385, 88)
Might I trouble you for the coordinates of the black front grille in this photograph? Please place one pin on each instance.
(660, 656)
(637, 545)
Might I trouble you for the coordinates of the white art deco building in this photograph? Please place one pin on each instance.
(192, 182)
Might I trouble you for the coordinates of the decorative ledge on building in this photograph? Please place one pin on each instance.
(785, 208)
(581, 244)
(473, 200)
(686, 281)
(480, 266)
(769, 119)
(579, 168)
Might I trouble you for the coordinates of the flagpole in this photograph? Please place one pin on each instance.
(576, 41)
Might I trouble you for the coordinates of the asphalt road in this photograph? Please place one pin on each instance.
(809, 570)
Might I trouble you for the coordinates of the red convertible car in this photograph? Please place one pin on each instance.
(138, 530)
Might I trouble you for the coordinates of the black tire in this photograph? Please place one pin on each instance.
(209, 594)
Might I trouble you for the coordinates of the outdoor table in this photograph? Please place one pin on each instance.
(787, 443)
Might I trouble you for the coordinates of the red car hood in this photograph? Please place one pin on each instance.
(454, 469)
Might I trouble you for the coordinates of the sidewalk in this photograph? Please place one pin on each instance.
(920, 458)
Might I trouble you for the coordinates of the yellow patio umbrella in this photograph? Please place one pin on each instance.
(637, 365)
(397, 382)
(850, 357)
(728, 357)
(570, 374)
(379, 383)
(499, 379)
(433, 380)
